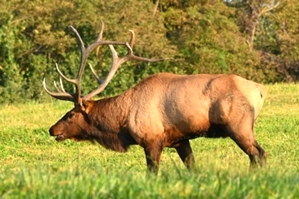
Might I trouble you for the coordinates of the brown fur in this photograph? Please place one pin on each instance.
(167, 110)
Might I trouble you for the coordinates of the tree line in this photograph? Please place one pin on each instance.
(256, 39)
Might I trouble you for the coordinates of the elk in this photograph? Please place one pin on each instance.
(163, 110)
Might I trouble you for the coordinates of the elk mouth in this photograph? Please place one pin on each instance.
(58, 134)
(59, 137)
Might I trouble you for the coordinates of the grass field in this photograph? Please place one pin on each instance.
(34, 165)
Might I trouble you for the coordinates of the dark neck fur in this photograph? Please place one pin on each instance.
(108, 122)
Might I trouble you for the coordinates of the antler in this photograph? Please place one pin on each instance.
(116, 62)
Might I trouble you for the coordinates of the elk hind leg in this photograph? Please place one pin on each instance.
(244, 138)
(184, 150)
(255, 152)
(259, 159)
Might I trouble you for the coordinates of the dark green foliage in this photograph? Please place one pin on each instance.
(202, 36)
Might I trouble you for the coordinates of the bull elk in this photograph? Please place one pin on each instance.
(163, 110)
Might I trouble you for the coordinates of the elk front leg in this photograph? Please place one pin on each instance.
(153, 152)
(185, 152)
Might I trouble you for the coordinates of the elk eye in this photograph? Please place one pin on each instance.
(71, 115)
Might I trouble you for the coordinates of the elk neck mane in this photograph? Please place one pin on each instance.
(108, 118)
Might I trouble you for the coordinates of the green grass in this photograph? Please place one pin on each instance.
(34, 165)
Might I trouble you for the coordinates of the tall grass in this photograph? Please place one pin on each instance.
(34, 165)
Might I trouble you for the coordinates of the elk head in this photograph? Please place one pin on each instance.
(75, 124)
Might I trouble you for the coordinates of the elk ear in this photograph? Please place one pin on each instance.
(86, 106)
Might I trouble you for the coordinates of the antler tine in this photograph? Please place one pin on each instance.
(95, 75)
(58, 95)
(131, 54)
(101, 32)
(61, 85)
(57, 88)
(61, 88)
(116, 62)
(131, 43)
(63, 76)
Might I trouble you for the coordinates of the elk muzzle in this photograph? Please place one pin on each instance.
(56, 133)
